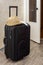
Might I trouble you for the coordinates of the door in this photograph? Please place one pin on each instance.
(41, 18)
(32, 16)
(34, 19)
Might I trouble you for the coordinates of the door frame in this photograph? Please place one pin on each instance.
(41, 22)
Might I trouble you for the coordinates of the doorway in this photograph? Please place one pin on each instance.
(41, 20)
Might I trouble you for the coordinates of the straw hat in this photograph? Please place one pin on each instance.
(13, 21)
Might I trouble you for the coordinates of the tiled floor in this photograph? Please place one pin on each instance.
(34, 58)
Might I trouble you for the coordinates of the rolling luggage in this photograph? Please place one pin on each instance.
(17, 41)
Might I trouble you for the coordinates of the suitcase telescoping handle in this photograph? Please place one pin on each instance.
(10, 7)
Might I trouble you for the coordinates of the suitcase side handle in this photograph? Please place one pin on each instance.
(5, 40)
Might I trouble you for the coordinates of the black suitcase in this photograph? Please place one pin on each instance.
(17, 41)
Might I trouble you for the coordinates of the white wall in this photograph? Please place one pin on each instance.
(4, 8)
(23, 14)
(35, 26)
(4, 14)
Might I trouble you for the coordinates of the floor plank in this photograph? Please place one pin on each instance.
(34, 58)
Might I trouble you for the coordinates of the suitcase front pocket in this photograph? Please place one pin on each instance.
(21, 49)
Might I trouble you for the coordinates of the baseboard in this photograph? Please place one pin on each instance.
(41, 38)
(34, 41)
(1, 48)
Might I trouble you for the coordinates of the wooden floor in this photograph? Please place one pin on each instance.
(34, 58)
